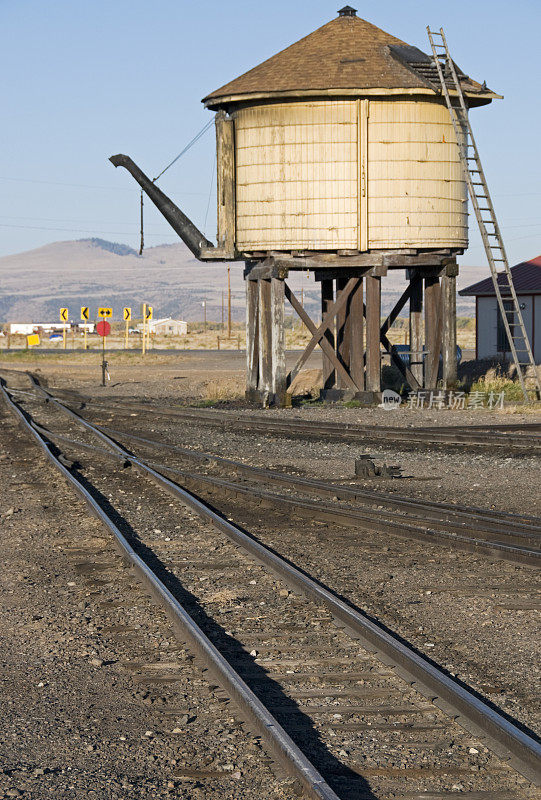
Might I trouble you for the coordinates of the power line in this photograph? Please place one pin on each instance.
(83, 185)
(69, 221)
(81, 230)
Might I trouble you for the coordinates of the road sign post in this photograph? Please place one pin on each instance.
(148, 318)
(147, 312)
(103, 329)
(64, 316)
(85, 316)
(126, 313)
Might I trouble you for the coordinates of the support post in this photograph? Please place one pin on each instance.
(265, 340)
(252, 340)
(373, 322)
(342, 339)
(278, 341)
(354, 334)
(448, 289)
(416, 327)
(432, 340)
(225, 183)
(327, 298)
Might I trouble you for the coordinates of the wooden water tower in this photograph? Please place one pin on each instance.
(338, 156)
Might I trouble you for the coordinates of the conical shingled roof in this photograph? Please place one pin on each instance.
(346, 55)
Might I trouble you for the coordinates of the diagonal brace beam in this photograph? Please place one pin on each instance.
(318, 334)
(399, 305)
(395, 357)
(399, 364)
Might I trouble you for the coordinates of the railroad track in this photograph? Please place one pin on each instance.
(511, 537)
(512, 440)
(354, 686)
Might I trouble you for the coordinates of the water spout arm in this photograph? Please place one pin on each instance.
(184, 227)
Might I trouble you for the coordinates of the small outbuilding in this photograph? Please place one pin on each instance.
(168, 327)
(490, 337)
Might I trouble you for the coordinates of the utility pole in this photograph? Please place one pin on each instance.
(229, 302)
(143, 343)
(223, 324)
(204, 304)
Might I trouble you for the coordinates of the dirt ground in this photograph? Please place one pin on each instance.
(98, 698)
(77, 722)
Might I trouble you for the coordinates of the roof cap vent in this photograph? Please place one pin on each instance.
(347, 11)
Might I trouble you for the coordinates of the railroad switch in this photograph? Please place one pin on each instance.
(366, 468)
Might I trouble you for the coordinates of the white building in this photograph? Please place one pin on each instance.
(168, 327)
(26, 328)
(23, 328)
(490, 337)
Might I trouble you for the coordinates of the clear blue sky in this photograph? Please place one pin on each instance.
(84, 80)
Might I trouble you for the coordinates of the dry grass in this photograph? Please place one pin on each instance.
(225, 596)
(308, 382)
(496, 382)
(223, 389)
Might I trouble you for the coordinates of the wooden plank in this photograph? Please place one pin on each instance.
(252, 339)
(278, 342)
(342, 341)
(416, 328)
(373, 322)
(448, 289)
(265, 338)
(432, 341)
(317, 334)
(327, 298)
(225, 180)
(362, 161)
(383, 260)
(354, 334)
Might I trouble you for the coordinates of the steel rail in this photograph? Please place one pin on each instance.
(482, 522)
(504, 736)
(477, 518)
(279, 743)
(527, 556)
(440, 513)
(346, 516)
(406, 437)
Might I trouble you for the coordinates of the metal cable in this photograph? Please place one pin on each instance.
(185, 150)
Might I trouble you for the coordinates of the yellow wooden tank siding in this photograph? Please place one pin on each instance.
(297, 176)
(344, 174)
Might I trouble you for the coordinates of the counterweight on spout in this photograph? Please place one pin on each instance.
(190, 235)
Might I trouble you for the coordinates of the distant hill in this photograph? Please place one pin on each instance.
(95, 272)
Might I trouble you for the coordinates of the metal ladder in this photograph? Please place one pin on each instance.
(484, 211)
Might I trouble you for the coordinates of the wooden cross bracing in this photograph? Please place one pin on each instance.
(350, 334)
(318, 334)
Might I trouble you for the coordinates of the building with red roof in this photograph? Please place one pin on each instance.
(491, 340)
